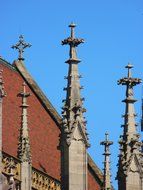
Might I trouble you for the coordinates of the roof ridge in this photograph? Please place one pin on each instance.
(20, 67)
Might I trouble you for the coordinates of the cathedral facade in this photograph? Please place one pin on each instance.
(41, 150)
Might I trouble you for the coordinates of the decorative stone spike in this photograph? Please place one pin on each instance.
(65, 77)
(64, 89)
(107, 175)
(79, 76)
(130, 169)
(82, 99)
(81, 87)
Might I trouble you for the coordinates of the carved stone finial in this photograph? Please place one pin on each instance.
(73, 43)
(20, 46)
(24, 94)
(107, 175)
(129, 80)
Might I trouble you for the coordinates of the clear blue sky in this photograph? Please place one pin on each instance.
(113, 31)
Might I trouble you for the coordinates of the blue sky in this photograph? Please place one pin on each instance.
(113, 37)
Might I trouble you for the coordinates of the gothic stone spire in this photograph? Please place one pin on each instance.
(130, 169)
(73, 108)
(107, 175)
(24, 146)
(20, 46)
(74, 141)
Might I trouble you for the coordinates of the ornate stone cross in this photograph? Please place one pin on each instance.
(20, 46)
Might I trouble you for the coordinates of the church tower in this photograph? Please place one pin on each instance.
(74, 140)
(130, 167)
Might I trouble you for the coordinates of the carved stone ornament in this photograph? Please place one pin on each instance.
(43, 182)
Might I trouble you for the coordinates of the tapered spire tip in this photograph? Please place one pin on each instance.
(106, 136)
(73, 105)
(129, 67)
